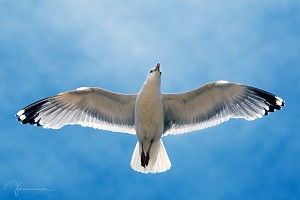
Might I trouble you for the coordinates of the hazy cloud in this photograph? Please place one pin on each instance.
(51, 46)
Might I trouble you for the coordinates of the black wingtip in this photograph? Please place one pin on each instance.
(29, 114)
(272, 101)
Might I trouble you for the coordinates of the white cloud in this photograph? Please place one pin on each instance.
(51, 46)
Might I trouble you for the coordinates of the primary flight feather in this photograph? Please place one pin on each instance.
(151, 114)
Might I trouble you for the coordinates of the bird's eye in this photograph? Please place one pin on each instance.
(151, 71)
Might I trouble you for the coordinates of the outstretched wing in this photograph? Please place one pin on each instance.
(92, 107)
(215, 103)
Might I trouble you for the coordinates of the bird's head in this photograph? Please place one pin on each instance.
(154, 76)
(155, 72)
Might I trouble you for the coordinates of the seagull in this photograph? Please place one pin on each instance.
(151, 114)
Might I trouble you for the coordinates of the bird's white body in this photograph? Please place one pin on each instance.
(149, 124)
(149, 111)
(150, 114)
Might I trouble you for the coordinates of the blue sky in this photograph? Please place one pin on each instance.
(47, 47)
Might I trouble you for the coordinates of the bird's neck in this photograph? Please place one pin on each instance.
(151, 86)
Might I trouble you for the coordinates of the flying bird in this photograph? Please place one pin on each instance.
(151, 114)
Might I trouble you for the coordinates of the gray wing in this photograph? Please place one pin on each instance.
(215, 103)
(92, 107)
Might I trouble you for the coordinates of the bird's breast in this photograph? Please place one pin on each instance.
(149, 116)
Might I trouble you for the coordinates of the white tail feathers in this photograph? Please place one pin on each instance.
(158, 162)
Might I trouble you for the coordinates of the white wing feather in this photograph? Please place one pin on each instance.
(215, 103)
(92, 107)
